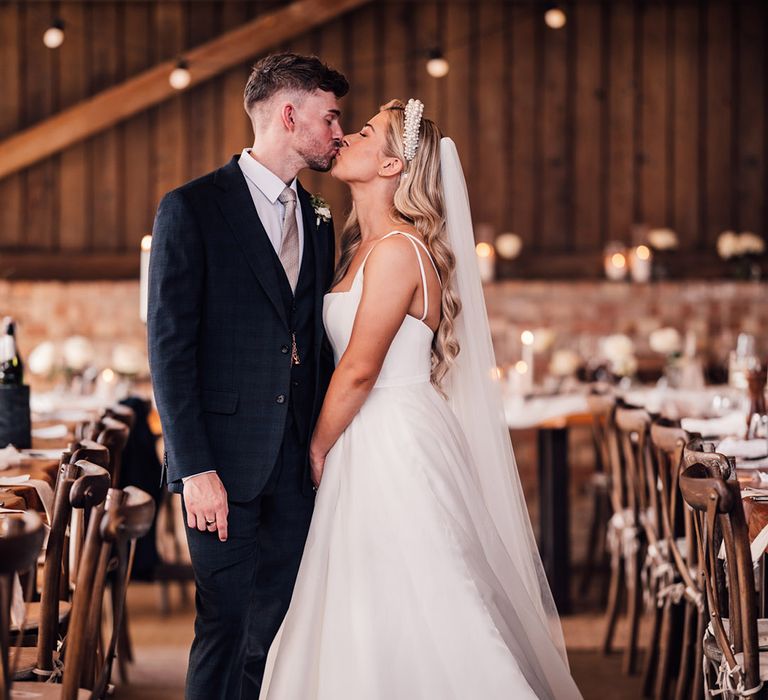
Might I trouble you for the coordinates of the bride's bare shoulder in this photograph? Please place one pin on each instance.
(392, 262)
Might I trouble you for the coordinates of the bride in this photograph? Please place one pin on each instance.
(420, 578)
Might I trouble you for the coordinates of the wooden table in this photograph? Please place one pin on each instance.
(554, 505)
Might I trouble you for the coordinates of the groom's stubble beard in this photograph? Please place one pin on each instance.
(313, 155)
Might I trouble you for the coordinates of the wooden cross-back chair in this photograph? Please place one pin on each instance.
(679, 642)
(734, 665)
(81, 486)
(114, 526)
(633, 434)
(600, 407)
(21, 537)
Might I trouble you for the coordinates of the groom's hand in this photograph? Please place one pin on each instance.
(205, 499)
(317, 465)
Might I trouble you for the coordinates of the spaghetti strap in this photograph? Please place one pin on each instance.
(414, 242)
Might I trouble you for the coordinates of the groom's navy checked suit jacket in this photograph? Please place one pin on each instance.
(219, 331)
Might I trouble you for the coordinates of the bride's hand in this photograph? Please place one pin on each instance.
(316, 464)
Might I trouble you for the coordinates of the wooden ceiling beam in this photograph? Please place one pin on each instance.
(147, 89)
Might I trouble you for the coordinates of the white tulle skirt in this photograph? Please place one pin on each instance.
(400, 594)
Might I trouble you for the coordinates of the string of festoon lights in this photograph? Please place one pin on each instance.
(437, 65)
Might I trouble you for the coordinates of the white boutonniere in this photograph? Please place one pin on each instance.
(322, 210)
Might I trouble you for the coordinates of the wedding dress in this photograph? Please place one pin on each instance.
(406, 590)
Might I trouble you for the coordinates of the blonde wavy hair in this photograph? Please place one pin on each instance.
(418, 202)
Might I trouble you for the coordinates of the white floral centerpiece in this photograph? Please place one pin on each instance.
(741, 250)
(619, 351)
(78, 354)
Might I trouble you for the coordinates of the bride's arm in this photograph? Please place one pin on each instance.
(390, 279)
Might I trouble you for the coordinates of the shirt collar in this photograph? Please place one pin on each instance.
(269, 184)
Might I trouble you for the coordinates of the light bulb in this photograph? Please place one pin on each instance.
(437, 66)
(180, 76)
(618, 260)
(555, 18)
(54, 35)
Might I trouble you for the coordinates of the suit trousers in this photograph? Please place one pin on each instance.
(244, 585)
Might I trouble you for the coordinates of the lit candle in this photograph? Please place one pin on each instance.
(486, 261)
(527, 338)
(615, 262)
(640, 260)
(146, 245)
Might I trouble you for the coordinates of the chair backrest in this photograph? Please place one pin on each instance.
(718, 507)
(21, 537)
(600, 407)
(115, 525)
(668, 441)
(121, 412)
(700, 451)
(81, 485)
(633, 427)
(113, 435)
(91, 451)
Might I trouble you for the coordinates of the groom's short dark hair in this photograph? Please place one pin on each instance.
(291, 71)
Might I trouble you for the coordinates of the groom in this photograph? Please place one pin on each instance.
(240, 260)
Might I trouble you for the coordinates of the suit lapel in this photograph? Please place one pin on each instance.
(237, 206)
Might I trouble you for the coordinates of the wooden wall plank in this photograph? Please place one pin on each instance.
(10, 119)
(621, 120)
(686, 126)
(491, 178)
(40, 180)
(455, 116)
(74, 174)
(553, 146)
(429, 17)
(104, 148)
(137, 210)
(394, 37)
(654, 90)
(236, 131)
(362, 54)
(719, 122)
(751, 119)
(169, 133)
(588, 127)
(521, 102)
(200, 103)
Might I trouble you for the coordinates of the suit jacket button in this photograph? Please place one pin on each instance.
(284, 349)
(280, 399)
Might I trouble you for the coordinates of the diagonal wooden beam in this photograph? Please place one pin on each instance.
(136, 94)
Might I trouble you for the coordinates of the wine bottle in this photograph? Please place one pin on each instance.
(11, 365)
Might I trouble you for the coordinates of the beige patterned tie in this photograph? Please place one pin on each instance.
(289, 246)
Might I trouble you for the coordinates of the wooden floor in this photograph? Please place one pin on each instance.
(162, 643)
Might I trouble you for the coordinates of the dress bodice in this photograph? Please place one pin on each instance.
(409, 358)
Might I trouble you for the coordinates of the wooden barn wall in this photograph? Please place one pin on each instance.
(635, 112)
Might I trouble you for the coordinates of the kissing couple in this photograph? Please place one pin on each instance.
(354, 514)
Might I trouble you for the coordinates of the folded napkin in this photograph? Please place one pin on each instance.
(9, 457)
(44, 490)
(729, 424)
(744, 449)
(50, 432)
(759, 544)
